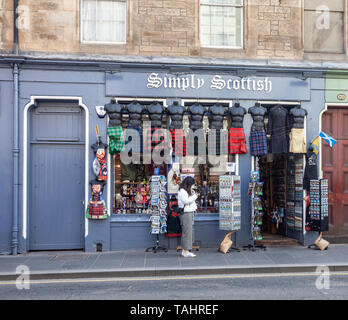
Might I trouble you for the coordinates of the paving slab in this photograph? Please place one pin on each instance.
(139, 263)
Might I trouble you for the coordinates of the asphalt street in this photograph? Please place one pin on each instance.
(234, 287)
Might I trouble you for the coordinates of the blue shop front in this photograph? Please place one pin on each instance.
(70, 151)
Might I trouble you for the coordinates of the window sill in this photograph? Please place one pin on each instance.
(133, 218)
(324, 56)
(222, 48)
(94, 43)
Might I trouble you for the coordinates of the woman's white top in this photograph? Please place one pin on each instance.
(188, 201)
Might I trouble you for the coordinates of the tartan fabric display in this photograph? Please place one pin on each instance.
(258, 143)
(154, 137)
(136, 146)
(96, 210)
(178, 141)
(236, 141)
(116, 139)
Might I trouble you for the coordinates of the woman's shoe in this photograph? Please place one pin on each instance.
(188, 255)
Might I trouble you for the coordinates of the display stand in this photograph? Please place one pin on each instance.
(319, 208)
(255, 190)
(230, 205)
(158, 210)
(157, 247)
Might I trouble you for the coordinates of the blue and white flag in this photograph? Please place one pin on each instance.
(331, 141)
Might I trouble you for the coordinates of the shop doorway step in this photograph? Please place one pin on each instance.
(276, 240)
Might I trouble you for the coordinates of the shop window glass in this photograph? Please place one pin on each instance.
(103, 21)
(221, 23)
(131, 187)
(324, 26)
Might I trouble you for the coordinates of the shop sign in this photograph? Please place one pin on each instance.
(212, 86)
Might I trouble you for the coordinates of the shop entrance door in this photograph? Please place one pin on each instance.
(335, 168)
(56, 177)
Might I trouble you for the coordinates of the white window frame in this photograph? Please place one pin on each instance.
(242, 26)
(103, 42)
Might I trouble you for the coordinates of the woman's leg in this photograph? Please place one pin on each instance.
(186, 225)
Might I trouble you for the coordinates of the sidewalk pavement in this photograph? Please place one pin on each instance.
(77, 264)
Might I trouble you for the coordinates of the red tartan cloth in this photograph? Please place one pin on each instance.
(154, 137)
(236, 141)
(178, 141)
(96, 209)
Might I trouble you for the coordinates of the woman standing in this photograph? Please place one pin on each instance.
(187, 200)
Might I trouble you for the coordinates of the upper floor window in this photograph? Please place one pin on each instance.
(324, 26)
(103, 21)
(221, 23)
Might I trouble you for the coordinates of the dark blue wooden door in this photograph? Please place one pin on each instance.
(56, 177)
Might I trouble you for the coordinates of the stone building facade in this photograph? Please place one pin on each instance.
(272, 29)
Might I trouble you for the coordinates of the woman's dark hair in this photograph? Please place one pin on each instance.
(187, 183)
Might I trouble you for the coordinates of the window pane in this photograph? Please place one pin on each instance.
(225, 2)
(104, 20)
(326, 40)
(221, 26)
(333, 5)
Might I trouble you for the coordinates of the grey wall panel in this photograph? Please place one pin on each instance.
(63, 76)
(129, 235)
(6, 162)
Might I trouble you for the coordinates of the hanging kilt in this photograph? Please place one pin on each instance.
(258, 143)
(236, 141)
(154, 137)
(178, 141)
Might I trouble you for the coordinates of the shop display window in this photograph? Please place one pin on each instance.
(131, 188)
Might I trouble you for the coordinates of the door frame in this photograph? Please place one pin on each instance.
(26, 148)
(327, 106)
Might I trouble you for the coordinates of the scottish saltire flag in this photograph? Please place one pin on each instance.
(331, 141)
(315, 144)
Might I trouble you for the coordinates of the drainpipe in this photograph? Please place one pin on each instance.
(14, 242)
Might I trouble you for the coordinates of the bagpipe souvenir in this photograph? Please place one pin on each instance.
(96, 208)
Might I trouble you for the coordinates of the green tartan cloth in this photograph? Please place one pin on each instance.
(116, 139)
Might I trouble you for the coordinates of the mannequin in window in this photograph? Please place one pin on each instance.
(135, 111)
(258, 139)
(114, 111)
(278, 128)
(297, 134)
(115, 131)
(216, 117)
(156, 136)
(236, 135)
(196, 113)
(176, 113)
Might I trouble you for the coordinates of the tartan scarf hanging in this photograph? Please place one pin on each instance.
(116, 139)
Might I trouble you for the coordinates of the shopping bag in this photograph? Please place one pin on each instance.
(226, 244)
(321, 243)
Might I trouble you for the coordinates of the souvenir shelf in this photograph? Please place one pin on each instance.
(319, 205)
(294, 214)
(256, 192)
(229, 203)
(158, 205)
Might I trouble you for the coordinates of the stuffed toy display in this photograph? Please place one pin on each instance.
(96, 208)
(99, 164)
